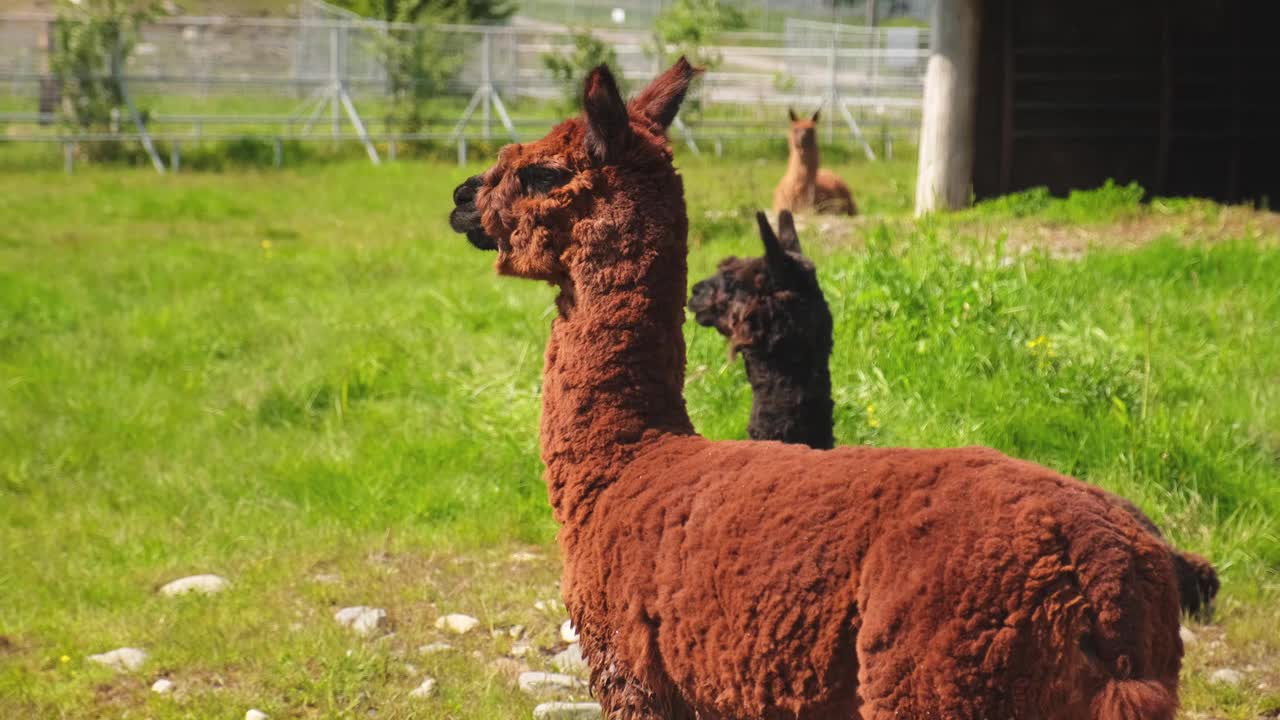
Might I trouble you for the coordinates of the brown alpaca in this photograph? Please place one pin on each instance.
(806, 187)
(772, 311)
(718, 580)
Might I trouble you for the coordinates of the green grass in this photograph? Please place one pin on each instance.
(271, 375)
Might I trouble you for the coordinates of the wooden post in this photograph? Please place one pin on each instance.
(950, 108)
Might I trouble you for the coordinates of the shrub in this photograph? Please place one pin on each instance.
(571, 69)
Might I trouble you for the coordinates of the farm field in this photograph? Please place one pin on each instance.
(302, 381)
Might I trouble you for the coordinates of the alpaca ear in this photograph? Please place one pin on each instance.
(774, 254)
(608, 125)
(816, 113)
(792, 113)
(788, 238)
(660, 101)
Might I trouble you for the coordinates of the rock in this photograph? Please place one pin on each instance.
(1188, 638)
(1225, 676)
(570, 660)
(523, 556)
(163, 686)
(203, 584)
(568, 632)
(536, 683)
(516, 631)
(327, 578)
(458, 623)
(568, 711)
(122, 659)
(425, 690)
(520, 648)
(255, 714)
(363, 620)
(435, 647)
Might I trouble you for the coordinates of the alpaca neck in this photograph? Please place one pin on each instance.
(790, 398)
(614, 376)
(803, 163)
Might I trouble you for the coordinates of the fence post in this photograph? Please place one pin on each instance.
(462, 150)
(486, 78)
(832, 91)
(391, 150)
(175, 156)
(69, 158)
(335, 112)
(277, 156)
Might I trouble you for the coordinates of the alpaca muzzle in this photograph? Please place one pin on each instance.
(465, 218)
(702, 303)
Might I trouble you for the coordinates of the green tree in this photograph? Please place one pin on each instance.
(687, 27)
(570, 69)
(93, 39)
(460, 11)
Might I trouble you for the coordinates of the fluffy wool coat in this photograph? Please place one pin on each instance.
(718, 580)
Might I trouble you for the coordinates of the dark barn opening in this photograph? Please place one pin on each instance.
(1182, 96)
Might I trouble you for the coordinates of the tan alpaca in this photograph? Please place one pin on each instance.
(806, 187)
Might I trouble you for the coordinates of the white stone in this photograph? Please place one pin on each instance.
(520, 648)
(363, 620)
(1225, 676)
(163, 686)
(568, 632)
(457, 623)
(435, 647)
(327, 578)
(516, 631)
(122, 659)
(568, 711)
(570, 660)
(523, 556)
(203, 584)
(535, 683)
(1188, 637)
(425, 690)
(255, 714)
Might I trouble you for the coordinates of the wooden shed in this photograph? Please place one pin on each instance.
(1182, 96)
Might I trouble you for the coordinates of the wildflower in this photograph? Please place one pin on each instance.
(266, 244)
(64, 659)
(1033, 344)
(872, 420)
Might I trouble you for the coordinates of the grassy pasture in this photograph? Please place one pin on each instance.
(276, 376)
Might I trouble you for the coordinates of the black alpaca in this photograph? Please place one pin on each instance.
(773, 312)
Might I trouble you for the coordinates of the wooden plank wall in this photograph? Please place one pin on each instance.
(1179, 95)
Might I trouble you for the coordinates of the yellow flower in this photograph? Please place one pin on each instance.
(266, 244)
(1037, 342)
(64, 659)
(872, 420)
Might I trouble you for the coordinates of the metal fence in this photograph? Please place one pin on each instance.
(324, 75)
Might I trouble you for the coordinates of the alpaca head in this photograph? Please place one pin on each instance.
(767, 304)
(585, 189)
(804, 133)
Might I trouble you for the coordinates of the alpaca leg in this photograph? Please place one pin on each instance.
(625, 698)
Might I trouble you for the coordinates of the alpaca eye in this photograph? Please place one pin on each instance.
(542, 179)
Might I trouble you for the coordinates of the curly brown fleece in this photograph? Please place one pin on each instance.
(719, 580)
(773, 312)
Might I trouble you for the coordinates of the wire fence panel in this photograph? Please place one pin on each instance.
(333, 74)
